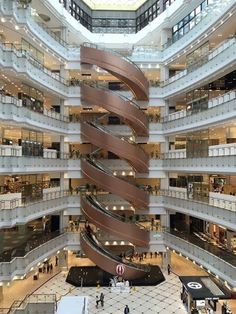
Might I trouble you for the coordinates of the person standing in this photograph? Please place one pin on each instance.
(126, 310)
(102, 299)
(168, 269)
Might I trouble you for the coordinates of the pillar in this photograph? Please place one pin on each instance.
(164, 72)
(1, 293)
(165, 220)
(166, 35)
(64, 73)
(63, 259)
(166, 259)
(63, 221)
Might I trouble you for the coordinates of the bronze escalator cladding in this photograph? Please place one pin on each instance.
(121, 68)
(114, 185)
(118, 105)
(96, 173)
(112, 223)
(126, 150)
(107, 261)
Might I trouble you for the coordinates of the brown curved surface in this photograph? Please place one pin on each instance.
(123, 230)
(123, 108)
(115, 185)
(137, 157)
(107, 263)
(134, 78)
(125, 71)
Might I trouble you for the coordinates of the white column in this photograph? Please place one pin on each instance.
(166, 259)
(1, 293)
(64, 72)
(64, 110)
(164, 72)
(166, 35)
(63, 259)
(64, 220)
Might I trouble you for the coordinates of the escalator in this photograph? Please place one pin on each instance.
(101, 176)
(108, 261)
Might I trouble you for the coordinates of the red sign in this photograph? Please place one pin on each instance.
(120, 269)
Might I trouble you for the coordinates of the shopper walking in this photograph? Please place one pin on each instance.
(126, 310)
(102, 299)
(168, 269)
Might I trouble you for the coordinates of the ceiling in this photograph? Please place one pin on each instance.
(121, 5)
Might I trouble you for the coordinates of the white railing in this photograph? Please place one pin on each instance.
(212, 55)
(226, 44)
(222, 99)
(222, 150)
(19, 266)
(213, 151)
(225, 201)
(177, 76)
(212, 262)
(10, 150)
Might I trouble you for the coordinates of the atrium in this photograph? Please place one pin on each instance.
(117, 156)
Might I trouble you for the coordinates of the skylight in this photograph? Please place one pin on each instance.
(129, 5)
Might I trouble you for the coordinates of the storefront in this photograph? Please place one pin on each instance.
(200, 294)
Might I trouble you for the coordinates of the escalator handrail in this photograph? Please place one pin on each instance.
(108, 254)
(99, 166)
(122, 138)
(93, 201)
(99, 86)
(95, 46)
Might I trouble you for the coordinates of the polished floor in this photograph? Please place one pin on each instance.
(163, 298)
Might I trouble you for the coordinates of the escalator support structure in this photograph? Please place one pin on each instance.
(95, 172)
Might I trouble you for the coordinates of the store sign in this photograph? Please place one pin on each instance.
(120, 269)
(200, 303)
(194, 285)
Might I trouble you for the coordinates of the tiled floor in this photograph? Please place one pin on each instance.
(164, 298)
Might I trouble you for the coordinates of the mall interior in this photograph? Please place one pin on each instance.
(117, 150)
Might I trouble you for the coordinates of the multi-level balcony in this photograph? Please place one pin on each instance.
(214, 259)
(220, 210)
(48, 163)
(15, 210)
(220, 109)
(220, 60)
(39, 32)
(17, 59)
(18, 262)
(205, 24)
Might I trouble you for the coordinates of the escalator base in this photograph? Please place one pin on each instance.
(93, 275)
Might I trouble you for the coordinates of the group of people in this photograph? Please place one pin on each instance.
(142, 256)
(47, 268)
(100, 300)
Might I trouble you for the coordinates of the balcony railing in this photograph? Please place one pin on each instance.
(211, 55)
(214, 102)
(21, 52)
(34, 241)
(211, 257)
(21, 202)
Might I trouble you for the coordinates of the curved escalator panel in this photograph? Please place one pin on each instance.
(107, 261)
(122, 107)
(112, 223)
(114, 185)
(137, 157)
(104, 178)
(124, 70)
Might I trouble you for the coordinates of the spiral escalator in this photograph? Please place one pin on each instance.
(97, 173)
